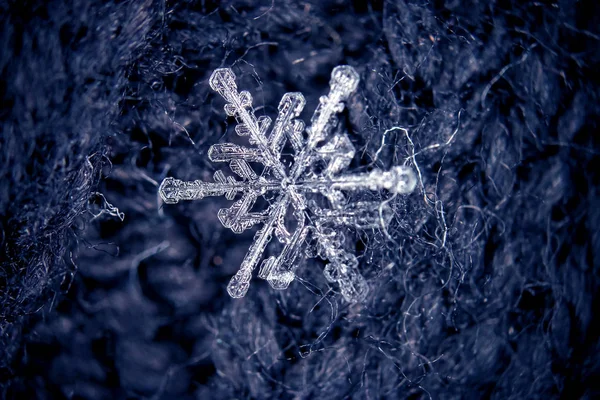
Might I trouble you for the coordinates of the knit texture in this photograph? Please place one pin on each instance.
(484, 285)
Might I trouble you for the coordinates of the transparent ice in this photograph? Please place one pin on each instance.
(294, 215)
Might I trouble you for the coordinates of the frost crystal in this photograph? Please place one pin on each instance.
(306, 199)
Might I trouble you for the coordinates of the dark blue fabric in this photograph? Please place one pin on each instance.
(485, 284)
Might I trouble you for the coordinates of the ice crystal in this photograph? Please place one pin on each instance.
(308, 208)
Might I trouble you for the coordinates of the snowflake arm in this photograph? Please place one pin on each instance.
(174, 190)
(239, 284)
(240, 106)
(344, 80)
(398, 180)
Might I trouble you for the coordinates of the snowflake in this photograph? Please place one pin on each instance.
(307, 205)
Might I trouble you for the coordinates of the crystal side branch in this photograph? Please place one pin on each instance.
(296, 217)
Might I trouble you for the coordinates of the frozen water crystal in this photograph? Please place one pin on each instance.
(293, 187)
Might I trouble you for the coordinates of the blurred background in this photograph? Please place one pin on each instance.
(484, 284)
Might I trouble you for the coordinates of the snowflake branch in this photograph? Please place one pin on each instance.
(223, 81)
(240, 283)
(174, 190)
(344, 80)
(400, 180)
